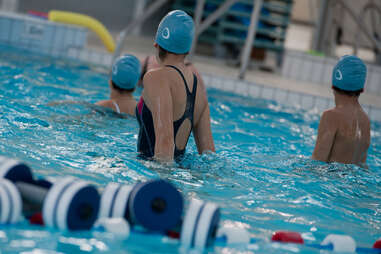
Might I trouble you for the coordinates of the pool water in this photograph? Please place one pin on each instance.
(261, 175)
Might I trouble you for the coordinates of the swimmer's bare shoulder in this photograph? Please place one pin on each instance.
(328, 126)
(151, 80)
(105, 103)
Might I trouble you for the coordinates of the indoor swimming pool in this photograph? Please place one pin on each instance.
(261, 175)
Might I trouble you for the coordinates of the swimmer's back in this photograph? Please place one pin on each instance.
(172, 80)
(352, 136)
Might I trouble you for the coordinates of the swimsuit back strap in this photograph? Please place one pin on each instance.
(182, 76)
(194, 89)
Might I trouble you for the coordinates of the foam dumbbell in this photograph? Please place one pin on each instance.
(118, 226)
(155, 205)
(11, 171)
(340, 243)
(71, 204)
(287, 237)
(377, 244)
(67, 204)
(200, 224)
(10, 203)
(233, 235)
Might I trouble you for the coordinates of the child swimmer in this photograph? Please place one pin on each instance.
(124, 77)
(344, 131)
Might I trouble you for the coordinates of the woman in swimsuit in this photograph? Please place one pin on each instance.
(124, 77)
(173, 102)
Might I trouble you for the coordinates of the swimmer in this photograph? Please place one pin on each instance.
(173, 102)
(344, 131)
(124, 77)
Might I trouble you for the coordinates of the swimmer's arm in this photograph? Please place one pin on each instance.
(203, 134)
(202, 131)
(326, 137)
(157, 95)
(363, 161)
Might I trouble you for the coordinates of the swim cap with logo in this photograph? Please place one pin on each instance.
(349, 73)
(126, 71)
(175, 32)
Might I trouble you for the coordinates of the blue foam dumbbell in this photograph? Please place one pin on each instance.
(66, 204)
(155, 205)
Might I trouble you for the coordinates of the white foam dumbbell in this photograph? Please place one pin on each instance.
(340, 243)
(10, 203)
(200, 224)
(118, 226)
(234, 235)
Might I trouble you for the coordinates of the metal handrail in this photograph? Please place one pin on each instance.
(368, 6)
(360, 24)
(250, 38)
(122, 35)
(202, 26)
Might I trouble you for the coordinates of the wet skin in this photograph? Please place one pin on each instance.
(344, 132)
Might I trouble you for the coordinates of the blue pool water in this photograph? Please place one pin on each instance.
(261, 175)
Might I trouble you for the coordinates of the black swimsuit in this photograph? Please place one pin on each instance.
(146, 140)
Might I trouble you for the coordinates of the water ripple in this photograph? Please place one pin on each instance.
(261, 176)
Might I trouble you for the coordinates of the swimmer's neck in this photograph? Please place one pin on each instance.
(117, 96)
(172, 59)
(342, 100)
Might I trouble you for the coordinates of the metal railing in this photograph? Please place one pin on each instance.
(136, 22)
(9, 5)
(371, 6)
(327, 17)
(200, 27)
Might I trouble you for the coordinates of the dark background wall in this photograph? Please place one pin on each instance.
(114, 14)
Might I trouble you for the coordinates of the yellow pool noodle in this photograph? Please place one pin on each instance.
(85, 21)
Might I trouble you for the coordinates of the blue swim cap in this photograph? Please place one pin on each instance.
(126, 71)
(349, 73)
(175, 32)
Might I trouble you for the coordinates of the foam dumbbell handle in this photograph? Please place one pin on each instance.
(32, 193)
(33, 196)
